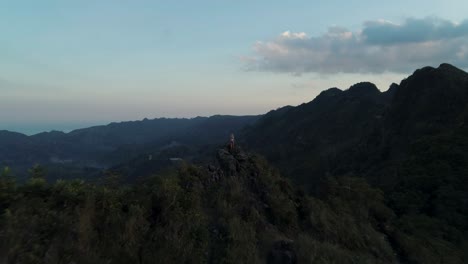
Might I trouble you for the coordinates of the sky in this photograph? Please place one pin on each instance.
(72, 64)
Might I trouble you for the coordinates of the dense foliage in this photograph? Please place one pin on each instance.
(220, 214)
(193, 215)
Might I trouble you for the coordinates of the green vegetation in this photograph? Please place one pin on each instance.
(431, 199)
(192, 215)
(198, 215)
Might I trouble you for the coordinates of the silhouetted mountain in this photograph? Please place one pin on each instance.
(428, 102)
(411, 141)
(303, 140)
(362, 130)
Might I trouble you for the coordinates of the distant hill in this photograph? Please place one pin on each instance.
(104, 146)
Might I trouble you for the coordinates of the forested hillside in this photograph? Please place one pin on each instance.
(239, 210)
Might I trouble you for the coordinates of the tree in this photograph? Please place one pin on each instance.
(37, 172)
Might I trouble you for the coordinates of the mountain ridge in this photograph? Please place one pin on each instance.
(108, 145)
(368, 123)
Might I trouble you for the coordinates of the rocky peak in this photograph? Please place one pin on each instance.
(325, 96)
(433, 98)
(450, 69)
(429, 74)
(331, 92)
(393, 87)
(363, 89)
(391, 92)
(230, 160)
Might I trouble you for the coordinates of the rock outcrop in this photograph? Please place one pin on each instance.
(230, 159)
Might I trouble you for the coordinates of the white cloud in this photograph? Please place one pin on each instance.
(381, 46)
(289, 35)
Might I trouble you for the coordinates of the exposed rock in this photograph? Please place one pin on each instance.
(230, 159)
(239, 155)
(227, 161)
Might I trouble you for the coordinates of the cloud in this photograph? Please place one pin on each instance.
(381, 46)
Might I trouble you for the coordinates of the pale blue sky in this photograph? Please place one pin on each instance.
(67, 64)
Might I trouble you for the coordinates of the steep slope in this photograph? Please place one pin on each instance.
(361, 130)
(304, 140)
(431, 101)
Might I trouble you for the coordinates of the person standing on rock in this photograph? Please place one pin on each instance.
(232, 142)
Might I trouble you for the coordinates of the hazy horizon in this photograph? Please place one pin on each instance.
(71, 65)
(36, 128)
